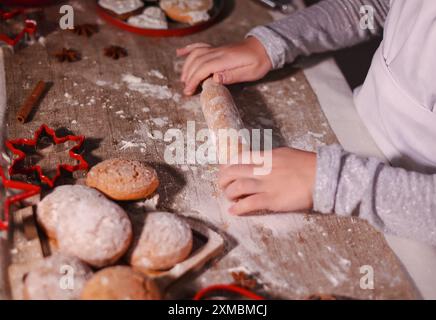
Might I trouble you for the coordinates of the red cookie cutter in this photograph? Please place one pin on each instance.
(30, 26)
(230, 288)
(29, 191)
(14, 169)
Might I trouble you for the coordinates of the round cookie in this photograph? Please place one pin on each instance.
(120, 283)
(151, 18)
(122, 9)
(49, 279)
(123, 180)
(165, 241)
(85, 224)
(187, 11)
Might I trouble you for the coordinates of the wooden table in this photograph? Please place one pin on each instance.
(291, 255)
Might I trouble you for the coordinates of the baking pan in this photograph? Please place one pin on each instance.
(175, 29)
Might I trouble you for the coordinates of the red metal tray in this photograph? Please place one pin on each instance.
(175, 29)
(28, 3)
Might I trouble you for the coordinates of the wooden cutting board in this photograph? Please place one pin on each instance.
(292, 255)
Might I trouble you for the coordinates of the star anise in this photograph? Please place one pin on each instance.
(69, 55)
(86, 29)
(115, 52)
(243, 280)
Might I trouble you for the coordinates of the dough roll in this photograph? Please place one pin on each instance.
(224, 121)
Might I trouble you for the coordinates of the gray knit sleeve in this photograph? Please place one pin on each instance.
(394, 200)
(328, 25)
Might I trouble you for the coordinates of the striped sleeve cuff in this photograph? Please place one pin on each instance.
(274, 45)
(327, 177)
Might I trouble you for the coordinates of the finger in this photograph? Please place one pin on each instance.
(245, 157)
(218, 78)
(189, 48)
(229, 174)
(242, 158)
(201, 60)
(206, 67)
(197, 53)
(251, 204)
(232, 76)
(201, 70)
(242, 188)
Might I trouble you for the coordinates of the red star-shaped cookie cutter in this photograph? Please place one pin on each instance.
(228, 288)
(29, 191)
(14, 169)
(29, 27)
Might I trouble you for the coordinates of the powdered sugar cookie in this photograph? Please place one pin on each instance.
(122, 8)
(48, 281)
(121, 179)
(151, 18)
(120, 283)
(187, 11)
(165, 241)
(85, 224)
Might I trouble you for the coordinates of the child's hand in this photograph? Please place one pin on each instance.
(239, 62)
(287, 188)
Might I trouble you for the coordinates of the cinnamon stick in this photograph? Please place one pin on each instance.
(30, 102)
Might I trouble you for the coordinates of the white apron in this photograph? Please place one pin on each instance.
(397, 102)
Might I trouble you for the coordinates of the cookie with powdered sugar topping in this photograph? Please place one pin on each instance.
(47, 280)
(187, 11)
(85, 224)
(123, 9)
(151, 18)
(165, 241)
(120, 283)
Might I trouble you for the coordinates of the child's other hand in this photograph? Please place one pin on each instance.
(239, 62)
(287, 188)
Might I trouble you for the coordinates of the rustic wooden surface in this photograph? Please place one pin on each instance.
(291, 255)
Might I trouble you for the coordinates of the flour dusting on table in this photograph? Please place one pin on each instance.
(160, 92)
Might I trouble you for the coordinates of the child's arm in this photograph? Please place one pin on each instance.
(333, 181)
(394, 200)
(329, 25)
